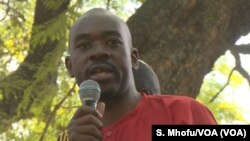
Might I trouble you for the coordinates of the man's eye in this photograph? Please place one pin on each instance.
(113, 43)
(83, 45)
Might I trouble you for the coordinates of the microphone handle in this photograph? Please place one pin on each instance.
(89, 102)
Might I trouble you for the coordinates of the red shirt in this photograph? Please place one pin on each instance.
(157, 109)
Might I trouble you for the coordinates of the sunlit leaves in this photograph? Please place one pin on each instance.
(15, 42)
(236, 79)
(9, 43)
(219, 83)
(52, 30)
(15, 33)
(29, 129)
(124, 8)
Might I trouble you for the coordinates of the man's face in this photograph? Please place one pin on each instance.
(100, 50)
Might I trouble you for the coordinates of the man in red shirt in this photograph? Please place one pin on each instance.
(101, 50)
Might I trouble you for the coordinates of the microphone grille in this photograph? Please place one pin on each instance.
(89, 89)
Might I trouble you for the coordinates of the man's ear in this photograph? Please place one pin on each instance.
(135, 58)
(68, 65)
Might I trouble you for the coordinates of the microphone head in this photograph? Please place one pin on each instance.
(89, 90)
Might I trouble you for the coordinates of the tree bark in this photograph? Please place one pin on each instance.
(181, 39)
(25, 88)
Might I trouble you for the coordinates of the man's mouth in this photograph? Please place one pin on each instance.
(101, 72)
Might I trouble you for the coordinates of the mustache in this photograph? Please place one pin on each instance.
(101, 64)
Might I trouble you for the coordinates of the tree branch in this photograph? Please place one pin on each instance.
(7, 10)
(108, 4)
(53, 113)
(28, 72)
(244, 49)
(228, 80)
(235, 52)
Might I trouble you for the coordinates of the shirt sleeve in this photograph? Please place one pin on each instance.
(201, 114)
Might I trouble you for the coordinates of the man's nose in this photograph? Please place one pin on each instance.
(100, 52)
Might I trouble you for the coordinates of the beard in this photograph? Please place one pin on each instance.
(109, 94)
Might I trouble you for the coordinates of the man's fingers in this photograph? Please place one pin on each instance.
(82, 111)
(86, 123)
(88, 119)
(100, 108)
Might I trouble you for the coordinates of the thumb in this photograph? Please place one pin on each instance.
(100, 108)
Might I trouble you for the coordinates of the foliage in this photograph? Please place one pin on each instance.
(15, 33)
(15, 43)
(224, 107)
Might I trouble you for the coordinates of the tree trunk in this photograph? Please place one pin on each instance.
(34, 82)
(181, 39)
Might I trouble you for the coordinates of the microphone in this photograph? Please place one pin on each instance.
(89, 93)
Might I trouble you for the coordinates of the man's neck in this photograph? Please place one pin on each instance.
(117, 108)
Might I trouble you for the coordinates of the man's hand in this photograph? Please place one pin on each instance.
(86, 124)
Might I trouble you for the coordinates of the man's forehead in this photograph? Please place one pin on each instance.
(96, 23)
(100, 21)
